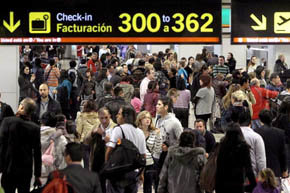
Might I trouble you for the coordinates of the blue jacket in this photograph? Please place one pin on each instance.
(68, 85)
(185, 75)
(272, 87)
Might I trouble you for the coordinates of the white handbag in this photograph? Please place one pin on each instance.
(285, 184)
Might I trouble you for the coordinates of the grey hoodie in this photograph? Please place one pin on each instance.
(181, 170)
(170, 128)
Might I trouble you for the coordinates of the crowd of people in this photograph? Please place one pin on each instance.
(79, 114)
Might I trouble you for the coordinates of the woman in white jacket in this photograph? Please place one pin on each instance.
(50, 136)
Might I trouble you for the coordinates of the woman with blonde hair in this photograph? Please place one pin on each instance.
(153, 149)
(238, 97)
(227, 98)
(227, 104)
(267, 182)
(166, 65)
(239, 100)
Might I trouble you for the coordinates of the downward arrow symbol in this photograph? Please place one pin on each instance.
(11, 27)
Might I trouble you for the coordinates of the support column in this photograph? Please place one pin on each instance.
(9, 70)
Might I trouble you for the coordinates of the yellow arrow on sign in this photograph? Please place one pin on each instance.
(261, 25)
(11, 27)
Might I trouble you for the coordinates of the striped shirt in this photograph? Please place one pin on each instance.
(53, 76)
(153, 146)
(223, 69)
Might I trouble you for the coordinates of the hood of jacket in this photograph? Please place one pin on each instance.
(185, 155)
(183, 171)
(89, 115)
(168, 116)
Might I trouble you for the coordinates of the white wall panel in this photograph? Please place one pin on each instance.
(239, 51)
(9, 65)
(189, 50)
(157, 48)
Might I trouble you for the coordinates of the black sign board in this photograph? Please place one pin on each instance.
(162, 21)
(260, 22)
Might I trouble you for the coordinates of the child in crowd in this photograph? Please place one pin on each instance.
(136, 101)
(266, 182)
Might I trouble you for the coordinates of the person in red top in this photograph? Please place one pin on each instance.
(92, 62)
(262, 96)
(80, 51)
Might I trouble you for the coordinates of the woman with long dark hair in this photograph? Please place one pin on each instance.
(260, 74)
(26, 81)
(151, 97)
(231, 62)
(189, 66)
(234, 163)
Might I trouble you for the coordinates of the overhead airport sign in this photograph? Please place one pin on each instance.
(260, 22)
(181, 22)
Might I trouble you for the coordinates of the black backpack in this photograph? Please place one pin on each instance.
(62, 97)
(72, 77)
(124, 158)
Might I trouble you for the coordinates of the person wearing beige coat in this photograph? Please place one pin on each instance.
(85, 122)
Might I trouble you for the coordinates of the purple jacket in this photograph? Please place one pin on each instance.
(260, 189)
(150, 102)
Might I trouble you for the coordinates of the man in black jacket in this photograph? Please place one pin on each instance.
(199, 124)
(20, 149)
(280, 65)
(274, 140)
(45, 103)
(82, 180)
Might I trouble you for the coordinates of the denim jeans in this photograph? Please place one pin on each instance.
(51, 88)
